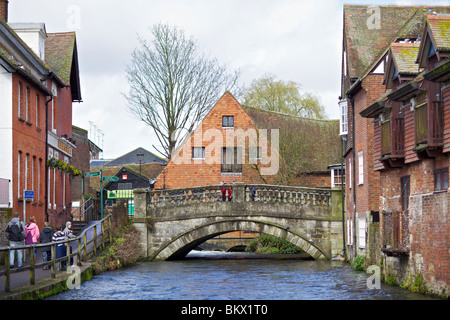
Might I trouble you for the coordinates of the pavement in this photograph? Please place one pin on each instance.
(20, 281)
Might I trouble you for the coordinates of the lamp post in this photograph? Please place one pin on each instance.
(140, 157)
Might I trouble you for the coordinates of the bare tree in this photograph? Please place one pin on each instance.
(173, 85)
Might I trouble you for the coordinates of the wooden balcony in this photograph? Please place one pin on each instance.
(393, 142)
(429, 128)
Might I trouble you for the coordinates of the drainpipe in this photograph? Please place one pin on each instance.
(343, 195)
(49, 76)
(353, 174)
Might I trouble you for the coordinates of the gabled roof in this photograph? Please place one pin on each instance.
(436, 33)
(440, 26)
(402, 61)
(366, 46)
(62, 56)
(131, 158)
(405, 55)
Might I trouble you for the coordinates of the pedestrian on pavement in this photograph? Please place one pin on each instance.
(15, 233)
(69, 234)
(32, 234)
(46, 237)
(61, 251)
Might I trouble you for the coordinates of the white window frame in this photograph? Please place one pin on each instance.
(27, 111)
(37, 111)
(362, 233)
(349, 231)
(19, 100)
(343, 119)
(19, 155)
(349, 173)
(195, 151)
(360, 167)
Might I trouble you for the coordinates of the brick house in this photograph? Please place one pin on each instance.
(411, 147)
(368, 34)
(84, 152)
(40, 80)
(240, 144)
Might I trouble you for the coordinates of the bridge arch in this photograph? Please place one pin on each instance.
(179, 246)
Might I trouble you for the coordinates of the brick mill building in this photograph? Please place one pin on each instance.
(39, 82)
(240, 144)
(396, 134)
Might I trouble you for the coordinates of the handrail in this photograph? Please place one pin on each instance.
(81, 214)
(80, 257)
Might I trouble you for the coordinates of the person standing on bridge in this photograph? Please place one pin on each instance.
(224, 192)
(15, 233)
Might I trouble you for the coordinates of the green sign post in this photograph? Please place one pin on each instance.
(110, 179)
(92, 174)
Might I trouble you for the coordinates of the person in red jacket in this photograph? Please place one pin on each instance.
(224, 192)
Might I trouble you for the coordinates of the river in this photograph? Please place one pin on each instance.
(221, 276)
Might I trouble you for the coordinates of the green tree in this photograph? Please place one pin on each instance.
(173, 85)
(282, 96)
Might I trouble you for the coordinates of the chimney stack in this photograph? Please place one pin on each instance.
(4, 10)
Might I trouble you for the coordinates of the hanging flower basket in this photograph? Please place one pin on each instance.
(61, 165)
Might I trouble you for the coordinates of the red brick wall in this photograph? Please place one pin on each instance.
(428, 223)
(63, 125)
(29, 138)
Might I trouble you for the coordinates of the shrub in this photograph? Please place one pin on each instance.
(269, 244)
(358, 263)
(124, 250)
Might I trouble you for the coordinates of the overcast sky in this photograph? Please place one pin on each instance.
(293, 39)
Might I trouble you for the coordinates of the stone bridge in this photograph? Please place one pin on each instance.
(173, 222)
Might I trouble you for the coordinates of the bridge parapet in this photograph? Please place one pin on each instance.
(240, 193)
(172, 222)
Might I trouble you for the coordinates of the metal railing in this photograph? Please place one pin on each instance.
(81, 215)
(82, 252)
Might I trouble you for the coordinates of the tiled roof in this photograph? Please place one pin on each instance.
(59, 52)
(131, 158)
(306, 145)
(405, 56)
(366, 42)
(440, 26)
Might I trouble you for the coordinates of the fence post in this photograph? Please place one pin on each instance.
(79, 252)
(32, 271)
(103, 234)
(84, 246)
(110, 229)
(69, 248)
(95, 240)
(53, 266)
(8, 272)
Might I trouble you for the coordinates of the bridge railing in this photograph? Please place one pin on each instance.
(251, 192)
(184, 195)
(288, 194)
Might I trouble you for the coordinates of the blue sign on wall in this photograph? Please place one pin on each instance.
(28, 194)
